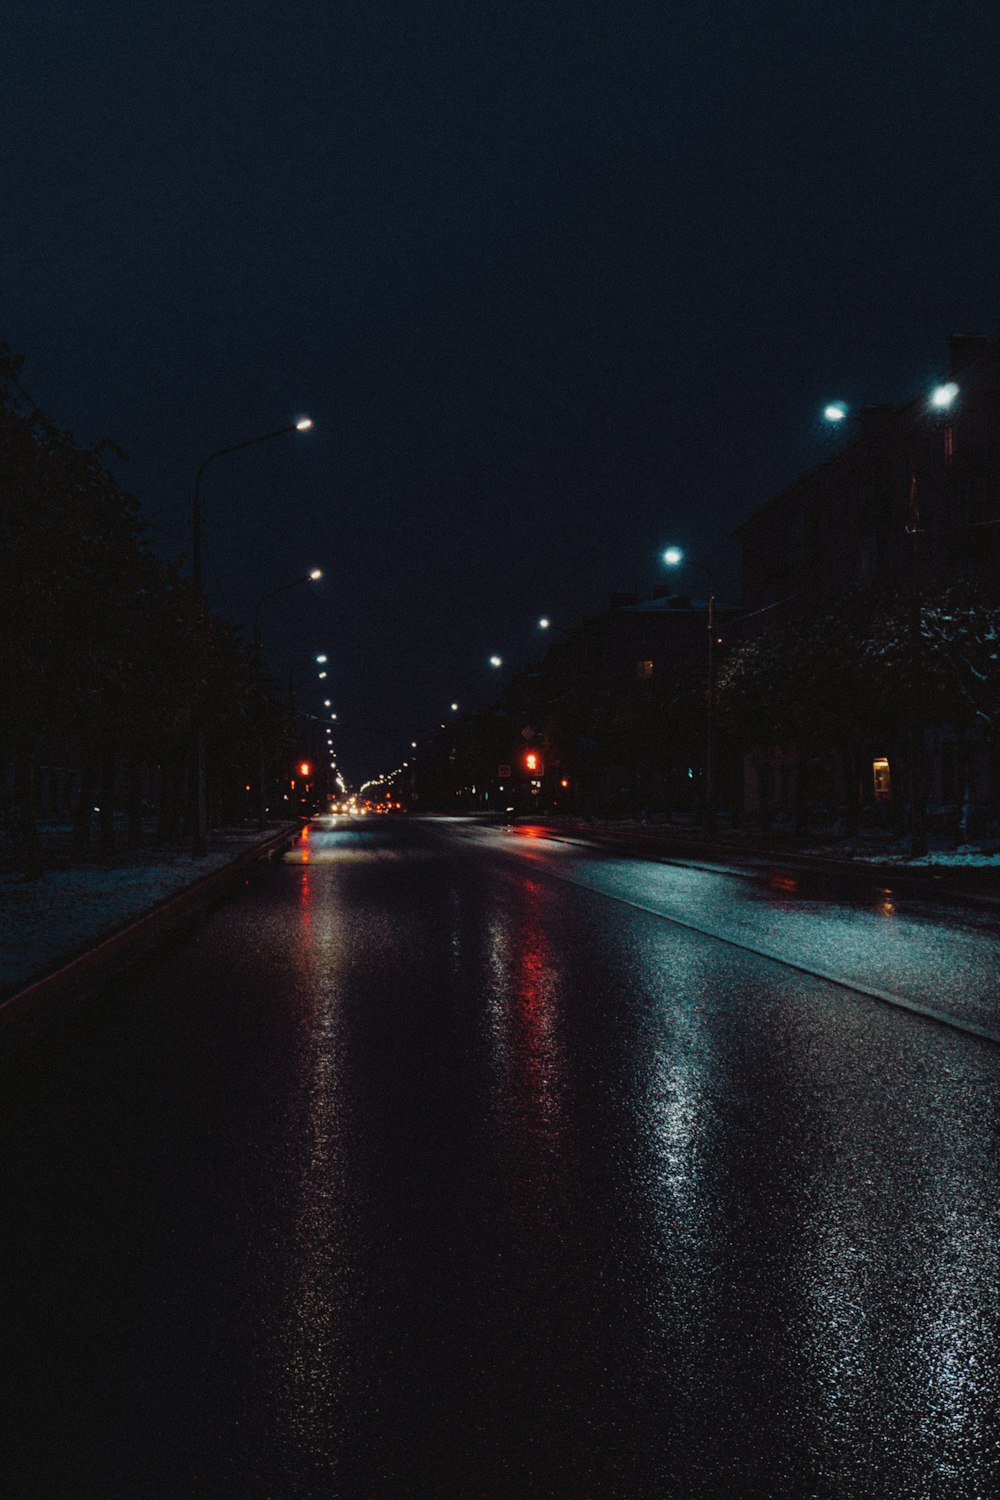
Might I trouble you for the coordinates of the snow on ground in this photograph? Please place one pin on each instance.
(69, 909)
(966, 857)
(874, 849)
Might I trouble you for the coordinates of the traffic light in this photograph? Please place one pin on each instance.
(304, 769)
(533, 762)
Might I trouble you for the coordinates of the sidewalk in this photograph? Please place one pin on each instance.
(973, 871)
(74, 918)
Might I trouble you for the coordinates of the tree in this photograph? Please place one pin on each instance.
(100, 643)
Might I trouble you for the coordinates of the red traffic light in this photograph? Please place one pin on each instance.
(532, 761)
(305, 768)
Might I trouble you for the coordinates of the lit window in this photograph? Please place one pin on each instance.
(644, 670)
(881, 780)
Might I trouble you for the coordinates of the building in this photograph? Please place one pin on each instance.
(910, 506)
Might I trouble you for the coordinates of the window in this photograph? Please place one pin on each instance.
(881, 780)
(644, 670)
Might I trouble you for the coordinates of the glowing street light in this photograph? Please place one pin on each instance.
(321, 658)
(943, 396)
(496, 661)
(544, 623)
(454, 708)
(835, 412)
(673, 556)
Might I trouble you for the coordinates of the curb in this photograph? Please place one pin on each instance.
(136, 932)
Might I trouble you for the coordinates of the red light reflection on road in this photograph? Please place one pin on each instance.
(538, 1057)
(305, 890)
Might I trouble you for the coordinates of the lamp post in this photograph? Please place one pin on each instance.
(674, 557)
(200, 840)
(302, 425)
(311, 577)
(941, 399)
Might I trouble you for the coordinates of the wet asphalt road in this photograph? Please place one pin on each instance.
(438, 1163)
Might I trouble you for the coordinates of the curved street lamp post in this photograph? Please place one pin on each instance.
(311, 577)
(674, 557)
(200, 839)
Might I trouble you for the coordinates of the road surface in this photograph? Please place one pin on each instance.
(452, 1162)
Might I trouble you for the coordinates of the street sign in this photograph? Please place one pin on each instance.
(503, 772)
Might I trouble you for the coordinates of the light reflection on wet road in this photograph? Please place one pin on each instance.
(875, 937)
(418, 1172)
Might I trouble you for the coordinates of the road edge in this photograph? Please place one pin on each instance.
(92, 963)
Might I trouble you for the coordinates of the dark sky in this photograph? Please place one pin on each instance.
(558, 283)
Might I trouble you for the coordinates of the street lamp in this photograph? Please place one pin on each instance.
(496, 661)
(302, 425)
(941, 399)
(313, 576)
(200, 841)
(674, 557)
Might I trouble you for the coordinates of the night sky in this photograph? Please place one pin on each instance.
(558, 284)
